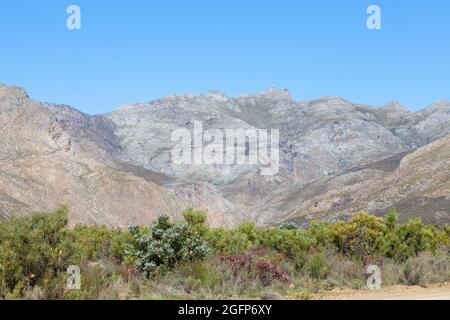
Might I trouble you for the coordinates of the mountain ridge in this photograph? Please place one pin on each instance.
(323, 142)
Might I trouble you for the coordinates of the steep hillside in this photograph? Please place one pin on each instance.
(416, 184)
(336, 157)
(54, 155)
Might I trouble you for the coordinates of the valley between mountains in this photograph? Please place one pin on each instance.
(336, 159)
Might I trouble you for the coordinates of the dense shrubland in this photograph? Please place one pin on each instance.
(188, 259)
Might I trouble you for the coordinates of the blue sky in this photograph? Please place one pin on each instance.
(136, 50)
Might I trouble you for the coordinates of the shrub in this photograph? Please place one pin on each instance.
(344, 272)
(427, 268)
(447, 230)
(391, 219)
(288, 226)
(101, 243)
(363, 235)
(219, 240)
(200, 274)
(412, 238)
(33, 252)
(96, 278)
(239, 240)
(320, 233)
(249, 230)
(195, 218)
(252, 265)
(293, 243)
(165, 245)
(316, 266)
(366, 236)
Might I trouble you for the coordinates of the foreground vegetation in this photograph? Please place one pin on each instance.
(188, 259)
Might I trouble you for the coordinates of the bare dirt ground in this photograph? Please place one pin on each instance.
(441, 292)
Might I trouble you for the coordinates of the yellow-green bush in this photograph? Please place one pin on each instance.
(223, 241)
(101, 243)
(195, 218)
(34, 251)
(363, 235)
(412, 238)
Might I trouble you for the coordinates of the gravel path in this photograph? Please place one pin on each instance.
(441, 292)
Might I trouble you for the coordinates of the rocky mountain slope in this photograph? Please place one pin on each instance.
(416, 184)
(336, 157)
(53, 155)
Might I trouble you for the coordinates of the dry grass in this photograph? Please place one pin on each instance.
(214, 279)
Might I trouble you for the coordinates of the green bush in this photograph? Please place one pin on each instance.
(195, 218)
(320, 233)
(412, 238)
(165, 245)
(288, 226)
(363, 235)
(316, 266)
(391, 219)
(101, 243)
(34, 251)
(239, 240)
(199, 274)
(294, 244)
(447, 230)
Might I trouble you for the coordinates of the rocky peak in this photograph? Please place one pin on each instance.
(395, 106)
(443, 105)
(277, 93)
(271, 93)
(217, 96)
(12, 92)
(325, 139)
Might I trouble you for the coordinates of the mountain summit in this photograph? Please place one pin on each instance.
(336, 157)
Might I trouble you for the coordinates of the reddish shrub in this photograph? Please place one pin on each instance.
(257, 265)
(368, 260)
(129, 273)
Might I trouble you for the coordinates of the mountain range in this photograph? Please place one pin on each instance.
(336, 158)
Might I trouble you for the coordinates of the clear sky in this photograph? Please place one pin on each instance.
(140, 50)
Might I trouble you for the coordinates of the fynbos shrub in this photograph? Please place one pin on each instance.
(259, 267)
(288, 226)
(34, 250)
(166, 244)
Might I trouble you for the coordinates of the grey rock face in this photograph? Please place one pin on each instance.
(325, 145)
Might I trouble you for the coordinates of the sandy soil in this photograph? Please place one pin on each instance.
(441, 292)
